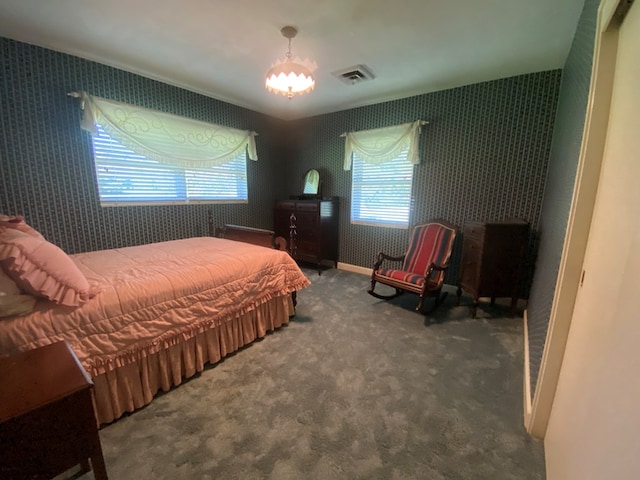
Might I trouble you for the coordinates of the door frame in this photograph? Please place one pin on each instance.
(538, 410)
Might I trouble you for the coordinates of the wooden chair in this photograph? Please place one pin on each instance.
(423, 265)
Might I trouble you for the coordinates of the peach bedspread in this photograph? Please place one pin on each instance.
(164, 311)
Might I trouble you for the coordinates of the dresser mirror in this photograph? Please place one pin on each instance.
(311, 183)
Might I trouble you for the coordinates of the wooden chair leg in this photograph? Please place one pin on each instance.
(439, 298)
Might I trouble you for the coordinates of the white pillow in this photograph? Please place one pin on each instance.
(12, 301)
(7, 285)
(16, 304)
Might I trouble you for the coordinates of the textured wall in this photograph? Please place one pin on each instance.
(484, 157)
(47, 161)
(565, 151)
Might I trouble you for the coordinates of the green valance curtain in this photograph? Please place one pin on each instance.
(166, 138)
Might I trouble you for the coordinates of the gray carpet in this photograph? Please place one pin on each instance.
(353, 388)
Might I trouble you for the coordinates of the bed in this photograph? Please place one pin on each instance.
(159, 313)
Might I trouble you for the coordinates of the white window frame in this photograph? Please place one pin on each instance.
(381, 193)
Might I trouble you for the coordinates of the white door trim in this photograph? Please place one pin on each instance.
(579, 221)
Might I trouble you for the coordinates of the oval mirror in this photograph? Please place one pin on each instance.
(311, 182)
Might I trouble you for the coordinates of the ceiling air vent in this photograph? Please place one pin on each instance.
(353, 75)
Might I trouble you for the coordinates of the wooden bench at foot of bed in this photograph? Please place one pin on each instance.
(255, 236)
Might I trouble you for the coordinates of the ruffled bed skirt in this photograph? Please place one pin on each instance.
(134, 385)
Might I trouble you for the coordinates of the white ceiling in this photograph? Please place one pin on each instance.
(223, 48)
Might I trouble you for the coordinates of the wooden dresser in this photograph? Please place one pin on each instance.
(492, 260)
(310, 227)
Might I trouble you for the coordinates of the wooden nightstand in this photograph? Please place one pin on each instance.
(47, 420)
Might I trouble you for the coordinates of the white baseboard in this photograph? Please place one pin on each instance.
(354, 268)
(526, 378)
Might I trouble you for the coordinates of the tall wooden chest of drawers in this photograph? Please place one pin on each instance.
(492, 260)
(314, 223)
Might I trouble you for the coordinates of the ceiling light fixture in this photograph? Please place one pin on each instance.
(289, 77)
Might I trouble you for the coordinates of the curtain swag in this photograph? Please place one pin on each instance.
(166, 138)
(383, 144)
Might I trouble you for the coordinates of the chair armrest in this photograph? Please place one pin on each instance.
(433, 267)
(383, 256)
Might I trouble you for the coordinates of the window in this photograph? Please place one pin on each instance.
(126, 177)
(382, 160)
(381, 193)
(146, 157)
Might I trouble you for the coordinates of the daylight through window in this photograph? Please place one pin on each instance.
(127, 178)
(381, 193)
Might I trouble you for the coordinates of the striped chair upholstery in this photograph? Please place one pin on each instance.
(423, 265)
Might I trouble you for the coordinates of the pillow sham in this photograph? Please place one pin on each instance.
(42, 269)
(17, 222)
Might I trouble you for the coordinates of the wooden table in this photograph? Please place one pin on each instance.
(47, 420)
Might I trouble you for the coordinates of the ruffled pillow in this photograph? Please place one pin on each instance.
(42, 269)
(17, 222)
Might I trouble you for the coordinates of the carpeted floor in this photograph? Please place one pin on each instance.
(353, 388)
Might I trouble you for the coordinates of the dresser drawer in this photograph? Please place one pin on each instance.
(475, 232)
(307, 225)
(316, 228)
(307, 207)
(471, 263)
(282, 222)
(492, 259)
(308, 251)
(286, 205)
(471, 248)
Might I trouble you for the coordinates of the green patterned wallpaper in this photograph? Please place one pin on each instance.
(47, 161)
(565, 151)
(485, 154)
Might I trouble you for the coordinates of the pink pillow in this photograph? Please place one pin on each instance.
(42, 269)
(17, 222)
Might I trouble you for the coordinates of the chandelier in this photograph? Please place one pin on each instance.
(289, 77)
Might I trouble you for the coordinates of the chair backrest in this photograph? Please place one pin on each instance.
(429, 243)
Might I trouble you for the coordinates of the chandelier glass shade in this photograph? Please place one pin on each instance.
(289, 77)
